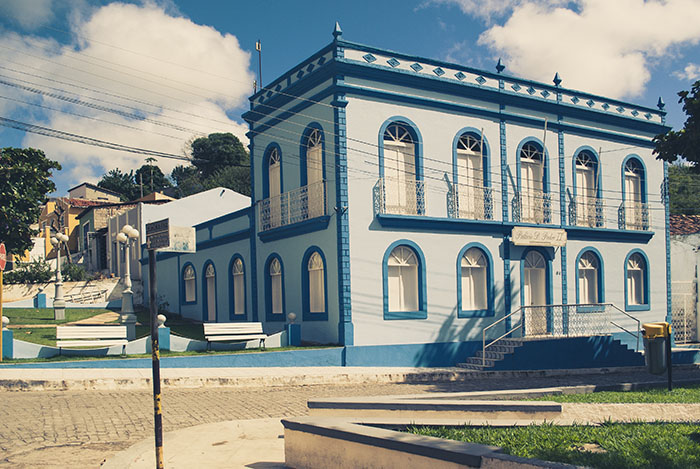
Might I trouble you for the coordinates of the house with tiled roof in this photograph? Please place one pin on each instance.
(685, 267)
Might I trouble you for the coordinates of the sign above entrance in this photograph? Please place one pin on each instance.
(526, 236)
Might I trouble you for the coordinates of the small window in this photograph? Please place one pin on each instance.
(276, 286)
(189, 279)
(402, 269)
(317, 299)
(238, 274)
(474, 280)
(637, 294)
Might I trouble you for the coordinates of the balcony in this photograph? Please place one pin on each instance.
(295, 206)
(532, 206)
(470, 202)
(633, 216)
(399, 197)
(587, 212)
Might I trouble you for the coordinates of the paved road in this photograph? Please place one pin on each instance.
(79, 429)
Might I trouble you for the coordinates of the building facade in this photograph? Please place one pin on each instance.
(403, 200)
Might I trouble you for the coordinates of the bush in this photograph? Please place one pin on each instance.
(74, 273)
(31, 272)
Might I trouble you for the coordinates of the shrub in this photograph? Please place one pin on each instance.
(75, 273)
(38, 271)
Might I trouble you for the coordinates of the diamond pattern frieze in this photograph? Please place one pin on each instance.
(438, 71)
(393, 62)
(480, 80)
(369, 58)
(416, 67)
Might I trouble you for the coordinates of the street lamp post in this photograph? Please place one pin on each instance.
(127, 317)
(59, 304)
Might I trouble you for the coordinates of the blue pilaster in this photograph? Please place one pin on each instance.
(253, 231)
(7, 343)
(667, 234)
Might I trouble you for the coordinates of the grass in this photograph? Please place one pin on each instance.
(681, 395)
(611, 445)
(44, 316)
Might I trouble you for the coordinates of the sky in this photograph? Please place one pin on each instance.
(154, 74)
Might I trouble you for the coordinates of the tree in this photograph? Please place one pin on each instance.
(232, 177)
(153, 178)
(211, 153)
(187, 180)
(684, 190)
(25, 174)
(122, 183)
(684, 143)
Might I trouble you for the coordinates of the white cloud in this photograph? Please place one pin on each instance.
(175, 72)
(690, 72)
(29, 14)
(488, 10)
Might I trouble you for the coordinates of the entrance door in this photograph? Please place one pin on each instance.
(535, 293)
(211, 293)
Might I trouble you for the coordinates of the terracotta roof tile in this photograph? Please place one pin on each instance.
(684, 224)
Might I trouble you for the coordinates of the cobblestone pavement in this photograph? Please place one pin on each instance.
(80, 428)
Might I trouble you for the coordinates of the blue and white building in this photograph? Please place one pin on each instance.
(401, 200)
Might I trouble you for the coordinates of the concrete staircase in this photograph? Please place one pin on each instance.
(544, 353)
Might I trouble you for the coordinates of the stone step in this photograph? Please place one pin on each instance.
(469, 366)
(493, 354)
(501, 348)
(489, 362)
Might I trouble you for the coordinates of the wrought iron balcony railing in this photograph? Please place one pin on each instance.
(297, 205)
(399, 197)
(587, 212)
(633, 216)
(532, 207)
(470, 202)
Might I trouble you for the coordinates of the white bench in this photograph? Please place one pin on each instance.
(234, 332)
(91, 336)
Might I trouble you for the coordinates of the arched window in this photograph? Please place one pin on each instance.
(470, 159)
(190, 286)
(274, 187)
(474, 280)
(402, 269)
(535, 279)
(238, 275)
(400, 170)
(533, 205)
(317, 296)
(274, 286)
(637, 282)
(210, 286)
(589, 279)
(314, 173)
(586, 189)
(635, 209)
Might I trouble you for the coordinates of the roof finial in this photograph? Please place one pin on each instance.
(557, 79)
(337, 32)
(661, 104)
(499, 66)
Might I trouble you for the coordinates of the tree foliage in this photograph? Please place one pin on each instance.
(187, 180)
(684, 143)
(25, 174)
(152, 177)
(122, 183)
(684, 190)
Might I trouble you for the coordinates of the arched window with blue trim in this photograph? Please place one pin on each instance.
(315, 299)
(274, 288)
(471, 177)
(635, 213)
(209, 311)
(533, 203)
(189, 284)
(238, 308)
(404, 282)
(587, 208)
(271, 206)
(313, 172)
(636, 281)
(475, 282)
(590, 287)
(400, 170)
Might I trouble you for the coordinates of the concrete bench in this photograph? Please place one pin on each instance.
(234, 332)
(91, 336)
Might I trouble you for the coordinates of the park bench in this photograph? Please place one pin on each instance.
(91, 336)
(234, 332)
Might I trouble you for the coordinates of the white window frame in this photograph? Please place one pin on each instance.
(474, 280)
(189, 277)
(403, 280)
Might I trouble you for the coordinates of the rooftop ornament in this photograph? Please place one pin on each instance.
(499, 66)
(557, 79)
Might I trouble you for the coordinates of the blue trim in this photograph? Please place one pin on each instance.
(412, 129)
(205, 294)
(480, 313)
(545, 154)
(305, 292)
(486, 153)
(563, 222)
(422, 313)
(345, 326)
(182, 284)
(647, 297)
(269, 316)
(507, 286)
(253, 267)
(232, 297)
(504, 169)
(586, 233)
(668, 250)
(303, 147)
(457, 225)
(223, 218)
(266, 170)
(600, 277)
(180, 291)
(548, 279)
(643, 181)
(225, 239)
(295, 229)
(597, 169)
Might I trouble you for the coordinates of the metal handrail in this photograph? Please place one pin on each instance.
(522, 309)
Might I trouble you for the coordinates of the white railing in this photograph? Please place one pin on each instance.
(295, 206)
(579, 320)
(399, 197)
(470, 202)
(633, 216)
(587, 212)
(532, 206)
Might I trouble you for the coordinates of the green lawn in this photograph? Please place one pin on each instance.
(45, 315)
(36, 335)
(611, 445)
(682, 395)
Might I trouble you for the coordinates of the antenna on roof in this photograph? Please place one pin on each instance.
(258, 47)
